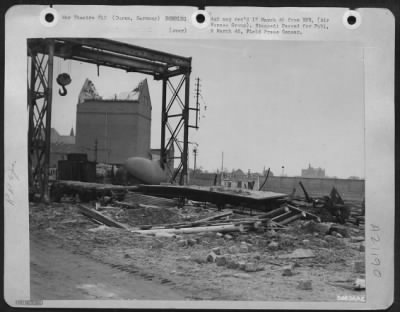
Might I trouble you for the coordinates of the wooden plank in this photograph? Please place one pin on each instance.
(276, 212)
(308, 215)
(218, 216)
(221, 228)
(291, 219)
(192, 223)
(100, 217)
(282, 216)
(249, 213)
(127, 205)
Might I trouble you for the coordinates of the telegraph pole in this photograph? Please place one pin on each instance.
(95, 150)
(222, 164)
(195, 155)
(197, 109)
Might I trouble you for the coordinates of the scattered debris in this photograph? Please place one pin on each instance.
(242, 275)
(304, 285)
(298, 253)
(234, 249)
(87, 191)
(357, 239)
(252, 267)
(314, 227)
(182, 243)
(220, 260)
(359, 267)
(216, 250)
(243, 248)
(101, 218)
(341, 229)
(273, 245)
(287, 270)
(211, 257)
(359, 284)
(191, 242)
(228, 237)
(198, 237)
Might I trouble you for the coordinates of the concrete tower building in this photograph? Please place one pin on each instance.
(112, 130)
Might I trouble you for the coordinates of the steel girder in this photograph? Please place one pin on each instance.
(175, 123)
(40, 103)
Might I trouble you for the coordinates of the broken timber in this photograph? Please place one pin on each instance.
(93, 214)
(210, 221)
(218, 216)
(305, 213)
(286, 214)
(190, 230)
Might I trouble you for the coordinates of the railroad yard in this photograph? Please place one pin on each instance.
(147, 247)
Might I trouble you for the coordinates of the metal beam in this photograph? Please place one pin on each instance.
(31, 106)
(91, 55)
(40, 120)
(164, 117)
(132, 50)
(185, 131)
(49, 100)
(109, 59)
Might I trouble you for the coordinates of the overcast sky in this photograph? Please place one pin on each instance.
(269, 103)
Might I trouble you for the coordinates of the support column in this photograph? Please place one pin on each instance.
(163, 121)
(49, 100)
(183, 178)
(31, 104)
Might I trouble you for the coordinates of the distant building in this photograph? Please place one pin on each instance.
(251, 182)
(239, 179)
(60, 146)
(238, 173)
(311, 172)
(112, 130)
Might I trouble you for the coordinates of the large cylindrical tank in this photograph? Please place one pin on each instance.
(145, 170)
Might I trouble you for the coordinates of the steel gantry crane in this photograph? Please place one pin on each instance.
(104, 52)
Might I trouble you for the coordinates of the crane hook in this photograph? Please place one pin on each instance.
(63, 80)
(63, 92)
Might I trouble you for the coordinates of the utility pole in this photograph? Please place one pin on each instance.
(95, 150)
(197, 109)
(195, 155)
(222, 164)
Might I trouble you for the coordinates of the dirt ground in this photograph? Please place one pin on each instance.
(74, 258)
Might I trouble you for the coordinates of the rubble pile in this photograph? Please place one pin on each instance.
(290, 242)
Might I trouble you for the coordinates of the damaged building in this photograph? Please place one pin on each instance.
(112, 130)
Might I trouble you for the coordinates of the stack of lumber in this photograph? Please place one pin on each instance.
(221, 222)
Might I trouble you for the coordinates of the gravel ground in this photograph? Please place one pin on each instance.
(296, 264)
